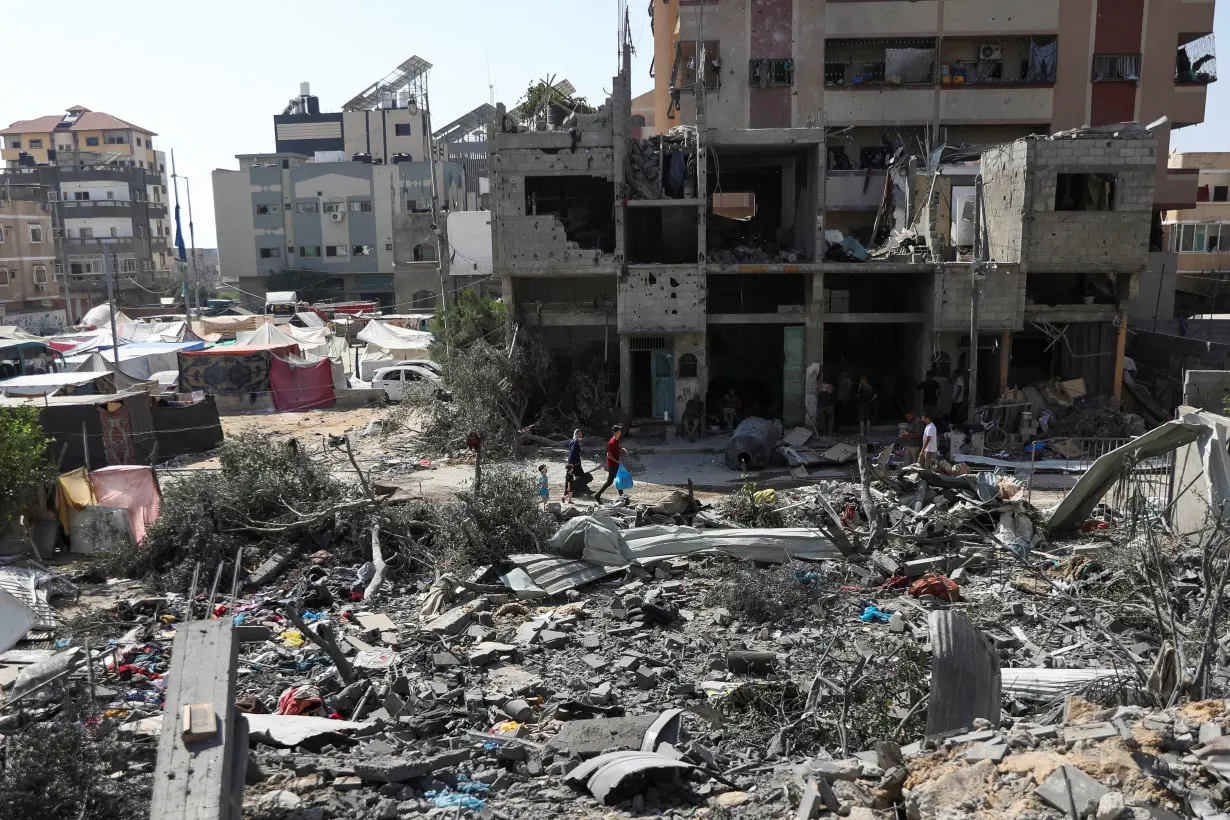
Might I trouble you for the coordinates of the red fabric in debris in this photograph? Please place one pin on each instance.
(940, 586)
(131, 487)
(301, 386)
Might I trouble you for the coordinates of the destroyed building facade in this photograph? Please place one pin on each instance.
(832, 196)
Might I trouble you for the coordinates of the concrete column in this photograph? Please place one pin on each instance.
(1120, 346)
(509, 296)
(1005, 358)
(814, 332)
(625, 377)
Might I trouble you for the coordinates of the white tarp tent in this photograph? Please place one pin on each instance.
(100, 316)
(388, 344)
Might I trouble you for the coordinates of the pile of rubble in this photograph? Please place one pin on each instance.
(908, 644)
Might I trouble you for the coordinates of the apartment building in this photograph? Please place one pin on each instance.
(30, 296)
(107, 186)
(343, 209)
(817, 212)
(1196, 282)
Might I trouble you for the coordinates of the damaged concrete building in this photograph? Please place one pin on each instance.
(809, 201)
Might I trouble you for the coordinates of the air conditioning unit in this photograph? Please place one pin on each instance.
(991, 51)
(336, 216)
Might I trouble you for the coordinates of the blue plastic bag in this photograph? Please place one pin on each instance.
(623, 479)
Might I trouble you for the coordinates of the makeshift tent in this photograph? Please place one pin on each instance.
(265, 335)
(100, 316)
(185, 427)
(47, 384)
(227, 326)
(118, 428)
(111, 506)
(301, 385)
(124, 380)
(308, 319)
(387, 344)
(131, 488)
(233, 369)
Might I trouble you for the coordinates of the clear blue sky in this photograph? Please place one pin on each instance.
(208, 77)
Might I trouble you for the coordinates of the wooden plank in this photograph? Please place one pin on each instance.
(194, 780)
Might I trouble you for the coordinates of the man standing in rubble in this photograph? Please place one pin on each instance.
(825, 401)
(614, 457)
(913, 438)
(930, 443)
(930, 390)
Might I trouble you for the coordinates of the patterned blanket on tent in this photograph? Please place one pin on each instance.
(225, 373)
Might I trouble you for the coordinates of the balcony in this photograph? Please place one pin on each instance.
(1196, 62)
(1196, 16)
(1187, 106)
(879, 105)
(883, 17)
(999, 61)
(999, 16)
(972, 104)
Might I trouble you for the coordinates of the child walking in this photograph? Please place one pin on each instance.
(568, 479)
(544, 489)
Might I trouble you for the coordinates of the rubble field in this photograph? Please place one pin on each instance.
(899, 643)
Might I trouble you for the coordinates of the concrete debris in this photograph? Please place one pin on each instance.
(916, 642)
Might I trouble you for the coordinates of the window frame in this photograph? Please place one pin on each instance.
(309, 252)
(356, 206)
(273, 253)
(6, 277)
(363, 250)
(312, 207)
(34, 277)
(36, 229)
(338, 251)
(276, 209)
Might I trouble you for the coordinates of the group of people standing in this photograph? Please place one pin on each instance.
(836, 405)
(576, 478)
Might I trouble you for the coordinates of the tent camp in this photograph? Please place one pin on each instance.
(302, 384)
(48, 384)
(226, 327)
(139, 360)
(230, 369)
(387, 344)
(116, 428)
(100, 316)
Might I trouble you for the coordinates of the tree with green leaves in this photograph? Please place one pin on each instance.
(542, 95)
(24, 467)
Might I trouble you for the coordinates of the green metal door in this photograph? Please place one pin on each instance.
(662, 372)
(793, 368)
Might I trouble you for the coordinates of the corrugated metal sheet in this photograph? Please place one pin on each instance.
(1215, 757)
(26, 586)
(1050, 682)
(1099, 478)
(553, 575)
(965, 681)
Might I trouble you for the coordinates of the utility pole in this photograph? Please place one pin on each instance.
(196, 274)
(976, 277)
(441, 232)
(57, 224)
(115, 336)
(183, 269)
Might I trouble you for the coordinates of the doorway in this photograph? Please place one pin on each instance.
(653, 377)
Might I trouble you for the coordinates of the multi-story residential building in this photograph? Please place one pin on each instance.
(331, 222)
(464, 142)
(735, 252)
(30, 296)
(1199, 238)
(108, 189)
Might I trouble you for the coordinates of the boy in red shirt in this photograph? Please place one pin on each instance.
(614, 457)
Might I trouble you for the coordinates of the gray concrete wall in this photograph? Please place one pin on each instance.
(1207, 389)
(1002, 306)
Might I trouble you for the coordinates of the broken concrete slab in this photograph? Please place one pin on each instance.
(451, 622)
(1089, 731)
(604, 775)
(1068, 786)
(989, 750)
(586, 738)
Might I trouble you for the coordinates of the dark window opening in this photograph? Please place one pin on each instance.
(1220, 193)
(583, 205)
(1085, 192)
(764, 73)
(402, 129)
(689, 368)
(755, 292)
(423, 300)
(1109, 68)
(666, 235)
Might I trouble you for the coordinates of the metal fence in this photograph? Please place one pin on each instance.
(1145, 485)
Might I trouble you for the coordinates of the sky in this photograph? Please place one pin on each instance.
(207, 76)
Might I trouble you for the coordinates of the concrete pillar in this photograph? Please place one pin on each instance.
(1120, 346)
(814, 333)
(625, 376)
(1005, 358)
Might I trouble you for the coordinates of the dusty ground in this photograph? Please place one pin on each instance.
(395, 460)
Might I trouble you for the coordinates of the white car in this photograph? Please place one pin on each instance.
(406, 380)
(426, 364)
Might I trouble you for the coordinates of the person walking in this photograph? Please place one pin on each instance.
(544, 486)
(580, 478)
(930, 444)
(614, 458)
(865, 395)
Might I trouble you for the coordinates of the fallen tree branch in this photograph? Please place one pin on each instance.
(877, 520)
(323, 638)
(378, 560)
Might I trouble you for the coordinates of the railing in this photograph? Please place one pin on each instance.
(1196, 62)
(1147, 481)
